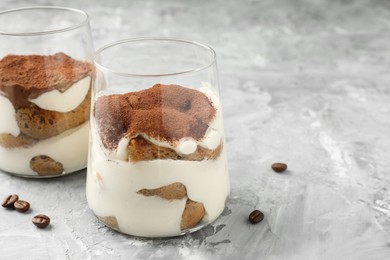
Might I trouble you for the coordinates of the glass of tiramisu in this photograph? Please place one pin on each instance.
(45, 90)
(157, 162)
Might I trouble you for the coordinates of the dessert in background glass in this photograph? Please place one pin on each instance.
(157, 164)
(45, 90)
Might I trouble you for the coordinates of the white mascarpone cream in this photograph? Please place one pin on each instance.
(112, 185)
(187, 146)
(64, 102)
(115, 194)
(8, 123)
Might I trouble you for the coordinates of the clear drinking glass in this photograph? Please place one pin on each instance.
(45, 90)
(157, 163)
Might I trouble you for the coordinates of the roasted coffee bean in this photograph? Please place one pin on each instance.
(256, 216)
(41, 221)
(21, 205)
(279, 167)
(9, 201)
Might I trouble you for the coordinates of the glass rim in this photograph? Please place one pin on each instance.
(84, 21)
(132, 40)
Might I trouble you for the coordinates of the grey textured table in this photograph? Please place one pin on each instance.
(303, 82)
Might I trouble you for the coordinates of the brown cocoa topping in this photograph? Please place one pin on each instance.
(164, 112)
(23, 77)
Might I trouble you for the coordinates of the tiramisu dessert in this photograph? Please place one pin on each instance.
(157, 163)
(44, 114)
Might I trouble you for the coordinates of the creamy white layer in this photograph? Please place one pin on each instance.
(112, 185)
(8, 123)
(70, 99)
(69, 148)
(114, 192)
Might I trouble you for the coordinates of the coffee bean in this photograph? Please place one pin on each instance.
(41, 221)
(279, 167)
(256, 216)
(9, 201)
(21, 205)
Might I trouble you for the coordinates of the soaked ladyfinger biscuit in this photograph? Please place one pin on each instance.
(10, 141)
(46, 166)
(192, 214)
(39, 123)
(140, 149)
(174, 191)
(110, 221)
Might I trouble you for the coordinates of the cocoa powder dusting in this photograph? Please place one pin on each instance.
(163, 112)
(23, 77)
